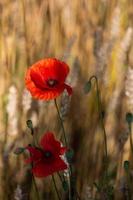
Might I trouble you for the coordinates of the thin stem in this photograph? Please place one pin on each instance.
(25, 32)
(78, 195)
(131, 141)
(64, 134)
(101, 118)
(56, 187)
(34, 181)
(61, 121)
(62, 178)
(129, 185)
(100, 113)
(33, 178)
(69, 184)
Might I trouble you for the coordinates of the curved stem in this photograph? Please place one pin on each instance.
(100, 114)
(61, 121)
(56, 187)
(131, 141)
(34, 181)
(78, 195)
(62, 178)
(37, 192)
(64, 134)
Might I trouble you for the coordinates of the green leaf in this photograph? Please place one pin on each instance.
(87, 87)
(19, 150)
(126, 165)
(129, 117)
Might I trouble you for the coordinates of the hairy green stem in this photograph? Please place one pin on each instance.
(33, 178)
(61, 121)
(56, 187)
(64, 134)
(62, 178)
(100, 113)
(102, 122)
(131, 141)
(37, 192)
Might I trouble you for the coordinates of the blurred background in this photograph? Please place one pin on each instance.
(94, 37)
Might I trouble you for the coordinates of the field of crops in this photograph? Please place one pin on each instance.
(95, 39)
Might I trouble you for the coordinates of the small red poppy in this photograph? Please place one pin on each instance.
(47, 159)
(46, 79)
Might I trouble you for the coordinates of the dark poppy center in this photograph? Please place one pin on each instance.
(47, 154)
(52, 82)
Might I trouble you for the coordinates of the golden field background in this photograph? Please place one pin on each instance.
(95, 37)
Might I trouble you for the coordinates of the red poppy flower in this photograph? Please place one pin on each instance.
(47, 159)
(46, 79)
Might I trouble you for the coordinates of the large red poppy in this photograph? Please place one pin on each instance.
(46, 79)
(47, 159)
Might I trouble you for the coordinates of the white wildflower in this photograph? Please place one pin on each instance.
(26, 101)
(87, 193)
(115, 24)
(18, 193)
(34, 118)
(63, 157)
(129, 88)
(125, 44)
(65, 105)
(12, 111)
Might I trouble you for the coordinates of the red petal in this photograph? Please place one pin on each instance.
(43, 169)
(36, 154)
(37, 79)
(45, 94)
(54, 69)
(48, 142)
(29, 160)
(68, 88)
(47, 138)
(63, 150)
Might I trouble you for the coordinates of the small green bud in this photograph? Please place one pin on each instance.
(65, 185)
(19, 150)
(126, 165)
(129, 117)
(87, 87)
(70, 155)
(29, 124)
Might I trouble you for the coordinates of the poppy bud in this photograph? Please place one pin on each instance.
(87, 87)
(19, 150)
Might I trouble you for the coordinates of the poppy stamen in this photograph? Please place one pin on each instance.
(52, 82)
(47, 154)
